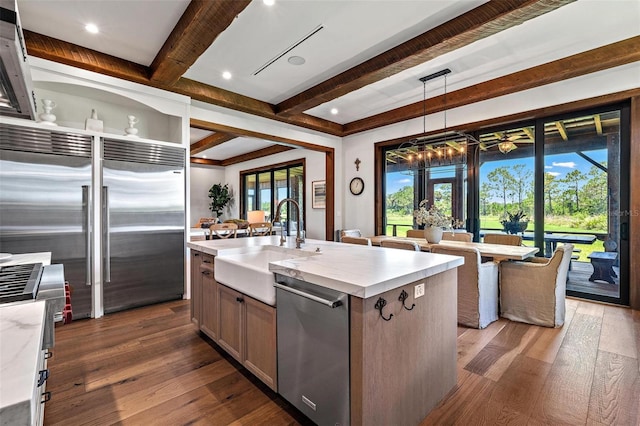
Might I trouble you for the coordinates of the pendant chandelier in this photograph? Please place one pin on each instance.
(448, 148)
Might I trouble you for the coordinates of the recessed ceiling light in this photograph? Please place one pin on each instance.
(204, 156)
(269, 2)
(334, 111)
(226, 75)
(296, 60)
(92, 28)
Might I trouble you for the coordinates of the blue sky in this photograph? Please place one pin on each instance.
(560, 165)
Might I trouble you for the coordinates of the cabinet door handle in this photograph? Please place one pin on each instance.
(206, 273)
(47, 397)
(44, 375)
(239, 299)
(48, 355)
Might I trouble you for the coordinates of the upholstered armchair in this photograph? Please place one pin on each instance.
(477, 287)
(356, 240)
(415, 233)
(507, 239)
(534, 292)
(466, 237)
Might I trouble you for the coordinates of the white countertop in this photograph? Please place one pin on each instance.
(43, 257)
(21, 327)
(357, 270)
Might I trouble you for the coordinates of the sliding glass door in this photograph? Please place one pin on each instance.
(584, 197)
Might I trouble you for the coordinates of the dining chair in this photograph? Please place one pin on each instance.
(356, 240)
(223, 230)
(533, 292)
(260, 229)
(404, 245)
(415, 233)
(477, 286)
(506, 239)
(466, 237)
(350, 233)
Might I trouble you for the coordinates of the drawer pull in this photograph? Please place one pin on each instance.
(44, 375)
(47, 397)
(48, 354)
(239, 299)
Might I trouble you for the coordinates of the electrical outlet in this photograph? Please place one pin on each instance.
(418, 291)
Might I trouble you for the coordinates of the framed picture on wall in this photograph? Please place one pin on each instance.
(319, 194)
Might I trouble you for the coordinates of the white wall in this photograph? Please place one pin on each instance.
(359, 211)
(202, 178)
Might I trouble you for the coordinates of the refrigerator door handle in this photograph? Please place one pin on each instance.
(105, 234)
(87, 234)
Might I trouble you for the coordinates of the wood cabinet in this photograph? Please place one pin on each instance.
(239, 324)
(196, 287)
(209, 305)
(248, 333)
(231, 310)
(260, 345)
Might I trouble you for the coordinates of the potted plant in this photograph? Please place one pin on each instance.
(514, 223)
(220, 197)
(434, 221)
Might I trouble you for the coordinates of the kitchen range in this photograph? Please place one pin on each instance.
(32, 298)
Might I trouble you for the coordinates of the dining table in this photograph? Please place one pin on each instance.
(497, 252)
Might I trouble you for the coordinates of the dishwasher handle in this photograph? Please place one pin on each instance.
(330, 303)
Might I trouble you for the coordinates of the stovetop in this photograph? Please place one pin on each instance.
(19, 282)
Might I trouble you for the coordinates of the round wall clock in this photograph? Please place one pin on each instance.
(356, 186)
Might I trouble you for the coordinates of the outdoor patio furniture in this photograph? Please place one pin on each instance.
(602, 263)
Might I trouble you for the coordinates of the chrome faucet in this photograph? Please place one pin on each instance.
(299, 216)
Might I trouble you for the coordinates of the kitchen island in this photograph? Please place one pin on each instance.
(402, 355)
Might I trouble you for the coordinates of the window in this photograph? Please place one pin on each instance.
(434, 170)
(262, 189)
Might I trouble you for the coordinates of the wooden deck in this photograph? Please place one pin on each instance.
(579, 281)
(149, 366)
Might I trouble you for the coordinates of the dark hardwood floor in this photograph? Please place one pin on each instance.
(149, 366)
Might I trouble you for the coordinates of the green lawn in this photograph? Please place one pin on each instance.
(405, 222)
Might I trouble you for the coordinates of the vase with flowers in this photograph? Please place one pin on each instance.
(434, 221)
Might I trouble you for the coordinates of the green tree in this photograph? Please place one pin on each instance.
(522, 183)
(401, 201)
(573, 179)
(550, 191)
(502, 182)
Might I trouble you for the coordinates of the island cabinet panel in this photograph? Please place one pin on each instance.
(231, 321)
(209, 305)
(260, 354)
(402, 368)
(196, 287)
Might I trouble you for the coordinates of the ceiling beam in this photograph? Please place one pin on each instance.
(598, 124)
(200, 24)
(52, 49)
(205, 161)
(210, 141)
(609, 56)
(80, 57)
(481, 22)
(216, 127)
(264, 152)
(562, 130)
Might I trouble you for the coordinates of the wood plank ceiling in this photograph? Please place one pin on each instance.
(203, 21)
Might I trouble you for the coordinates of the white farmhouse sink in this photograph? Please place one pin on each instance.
(248, 272)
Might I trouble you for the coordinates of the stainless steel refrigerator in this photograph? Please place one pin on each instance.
(143, 223)
(46, 205)
(45, 179)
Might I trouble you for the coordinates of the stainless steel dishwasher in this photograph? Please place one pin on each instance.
(313, 349)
